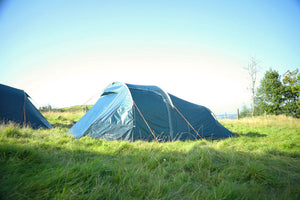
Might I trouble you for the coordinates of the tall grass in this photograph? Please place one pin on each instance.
(63, 119)
(263, 162)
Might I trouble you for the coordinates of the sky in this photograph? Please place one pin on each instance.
(64, 53)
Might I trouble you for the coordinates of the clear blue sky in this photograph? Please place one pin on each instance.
(64, 52)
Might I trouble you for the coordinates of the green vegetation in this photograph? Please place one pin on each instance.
(73, 109)
(66, 117)
(276, 96)
(262, 163)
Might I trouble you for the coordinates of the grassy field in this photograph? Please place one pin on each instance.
(262, 163)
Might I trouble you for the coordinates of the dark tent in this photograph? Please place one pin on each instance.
(136, 112)
(15, 106)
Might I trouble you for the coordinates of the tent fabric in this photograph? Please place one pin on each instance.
(137, 112)
(111, 117)
(15, 106)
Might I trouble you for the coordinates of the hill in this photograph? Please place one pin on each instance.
(262, 163)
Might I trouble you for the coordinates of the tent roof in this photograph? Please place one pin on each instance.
(12, 91)
(133, 112)
(154, 89)
(15, 106)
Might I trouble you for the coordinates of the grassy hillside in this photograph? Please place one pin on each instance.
(262, 163)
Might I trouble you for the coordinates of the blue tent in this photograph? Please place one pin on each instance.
(15, 106)
(136, 112)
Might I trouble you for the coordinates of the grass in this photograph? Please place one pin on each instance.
(262, 163)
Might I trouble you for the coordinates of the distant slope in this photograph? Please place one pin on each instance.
(73, 108)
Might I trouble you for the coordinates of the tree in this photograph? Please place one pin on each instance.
(45, 108)
(270, 94)
(276, 97)
(291, 81)
(245, 112)
(252, 71)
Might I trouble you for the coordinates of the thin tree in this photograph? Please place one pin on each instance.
(252, 70)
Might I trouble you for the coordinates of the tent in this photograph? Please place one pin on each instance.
(15, 106)
(137, 112)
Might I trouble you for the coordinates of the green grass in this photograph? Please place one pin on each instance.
(262, 163)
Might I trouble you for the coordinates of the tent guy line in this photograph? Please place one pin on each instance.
(145, 121)
(188, 122)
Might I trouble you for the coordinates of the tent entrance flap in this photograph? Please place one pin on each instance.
(110, 118)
